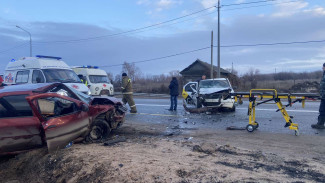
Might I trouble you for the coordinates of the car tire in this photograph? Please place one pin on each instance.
(233, 109)
(198, 103)
(99, 131)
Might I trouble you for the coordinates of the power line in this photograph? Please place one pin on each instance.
(18, 46)
(246, 7)
(133, 30)
(273, 44)
(159, 58)
(254, 2)
(224, 46)
(146, 27)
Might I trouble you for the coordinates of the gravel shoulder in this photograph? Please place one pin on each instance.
(155, 153)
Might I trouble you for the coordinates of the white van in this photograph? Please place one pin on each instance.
(42, 69)
(96, 80)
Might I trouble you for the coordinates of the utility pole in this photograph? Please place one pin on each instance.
(30, 40)
(218, 76)
(232, 67)
(211, 72)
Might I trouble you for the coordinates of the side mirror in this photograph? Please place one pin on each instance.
(234, 87)
(84, 108)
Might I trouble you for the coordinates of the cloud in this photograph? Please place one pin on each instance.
(318, 11)
(240, 1)
(143, 2)
(164, 3)
(208, 3)
(306, 24)
(288, 9)
(159, 5)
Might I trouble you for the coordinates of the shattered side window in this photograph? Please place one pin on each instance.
(54, 106)
(14, 106)
(189, 87)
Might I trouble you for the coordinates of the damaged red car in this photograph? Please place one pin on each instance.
(52, 115)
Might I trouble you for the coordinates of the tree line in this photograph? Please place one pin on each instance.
(250, 80)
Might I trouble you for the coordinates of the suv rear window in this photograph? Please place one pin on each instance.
(14, 106)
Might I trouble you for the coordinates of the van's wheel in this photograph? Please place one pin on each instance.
(99, 131)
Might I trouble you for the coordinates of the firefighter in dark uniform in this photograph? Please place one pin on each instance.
(127, 93)
(321, 116)
(81, 77)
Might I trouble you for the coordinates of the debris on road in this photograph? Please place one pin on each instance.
(195, 110)
(114, 141)
(235, 128)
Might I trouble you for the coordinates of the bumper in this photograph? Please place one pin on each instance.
(216, 103)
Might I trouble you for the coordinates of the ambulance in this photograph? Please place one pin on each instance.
(96, 79)
(42, 69)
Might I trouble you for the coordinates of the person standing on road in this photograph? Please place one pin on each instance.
(203, 77)
(321, 116)
(173, 87)
(128, 93)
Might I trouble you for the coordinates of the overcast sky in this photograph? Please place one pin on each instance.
(101, 33)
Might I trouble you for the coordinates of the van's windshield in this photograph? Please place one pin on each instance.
(60, 75)
(98, 79)
(214, 84)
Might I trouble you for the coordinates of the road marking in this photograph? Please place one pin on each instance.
(154, 105)
(166, 115)
(289, 110)
(276, 109)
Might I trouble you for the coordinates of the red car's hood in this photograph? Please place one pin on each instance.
(111, 99)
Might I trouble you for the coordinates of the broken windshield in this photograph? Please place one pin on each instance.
(214, 84)
(60, 75)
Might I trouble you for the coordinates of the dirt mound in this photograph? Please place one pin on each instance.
(306, 87)
(39, 166)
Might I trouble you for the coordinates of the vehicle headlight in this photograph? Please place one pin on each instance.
(62, 92)
(89, 92)
(96, 88)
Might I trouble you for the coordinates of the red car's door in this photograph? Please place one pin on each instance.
(63, 119)
(19, 128)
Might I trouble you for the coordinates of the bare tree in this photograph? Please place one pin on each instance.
(251, 76)
(117, 81)
(133, 71)
(110, 77)
(174, 73)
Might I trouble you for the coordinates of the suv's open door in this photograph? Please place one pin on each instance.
(63, 119)
(190, 93)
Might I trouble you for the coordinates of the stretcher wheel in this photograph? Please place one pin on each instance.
(257, 125)
(250, 128)
(296, 132)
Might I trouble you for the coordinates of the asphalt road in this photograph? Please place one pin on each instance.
(154, 111)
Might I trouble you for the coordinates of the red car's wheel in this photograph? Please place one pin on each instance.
(99, 131)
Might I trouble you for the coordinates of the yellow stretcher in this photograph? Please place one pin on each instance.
(272, 95)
